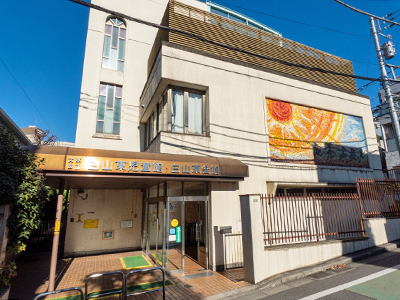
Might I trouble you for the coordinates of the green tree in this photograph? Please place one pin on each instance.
(22, 186)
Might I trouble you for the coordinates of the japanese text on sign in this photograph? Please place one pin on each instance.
(139, 166)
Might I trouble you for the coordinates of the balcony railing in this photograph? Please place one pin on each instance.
(222, 30)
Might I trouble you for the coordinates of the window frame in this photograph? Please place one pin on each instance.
(118, 47)
(164, 104)
(106, 108)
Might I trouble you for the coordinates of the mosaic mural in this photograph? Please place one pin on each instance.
(300, 134)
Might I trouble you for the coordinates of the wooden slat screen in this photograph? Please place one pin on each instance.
(226, 31)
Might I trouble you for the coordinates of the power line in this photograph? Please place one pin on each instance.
(24, 92)
(366, 85)
(298, 22)
(200, 38)
(365, 13)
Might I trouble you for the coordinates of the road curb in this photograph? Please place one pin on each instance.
(307, 271)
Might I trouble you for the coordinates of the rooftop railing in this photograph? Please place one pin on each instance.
(226, 31)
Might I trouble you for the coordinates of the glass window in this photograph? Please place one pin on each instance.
(219, 12)
(155, 124)
(186, 114)
(177, 111)
(109, 109)
(195, 113)
(114, 44)
(165, 112)
(151, 128)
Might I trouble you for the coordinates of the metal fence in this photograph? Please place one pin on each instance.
(45, 229)
(379, 197)
(316, 217)
(233, 245)
(393, 174)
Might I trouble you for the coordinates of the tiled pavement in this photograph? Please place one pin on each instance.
(32, 277)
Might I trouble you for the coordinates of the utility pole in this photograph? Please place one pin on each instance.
(386, 86)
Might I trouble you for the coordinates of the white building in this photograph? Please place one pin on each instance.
(234, 124)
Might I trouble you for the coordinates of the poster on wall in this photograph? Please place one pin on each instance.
(306, 135)
(94, 223)
(108, 235)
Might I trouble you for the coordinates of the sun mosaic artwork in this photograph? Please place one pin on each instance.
(300, 134)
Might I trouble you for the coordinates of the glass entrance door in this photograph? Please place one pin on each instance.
(196, 230)
(155, 230)
(175, 248)
(177, 228)
(201, 234)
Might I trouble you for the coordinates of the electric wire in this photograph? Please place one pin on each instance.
(298, 22)
(9, 71)
(200, 38)
(365, 13)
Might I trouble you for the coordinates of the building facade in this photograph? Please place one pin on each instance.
(7, 123)
(153, 93)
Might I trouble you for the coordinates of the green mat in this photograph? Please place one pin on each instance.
(135, 262)
(159, 258)
(115, 292)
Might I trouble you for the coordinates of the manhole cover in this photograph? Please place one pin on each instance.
(188, 286)
(321, 275)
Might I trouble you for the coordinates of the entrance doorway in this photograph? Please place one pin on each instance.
(195, 231)
(177, 227)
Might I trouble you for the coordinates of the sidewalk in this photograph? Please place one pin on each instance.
(197, 283)
(247, 292)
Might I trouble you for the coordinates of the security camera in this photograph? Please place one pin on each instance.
(142, 106)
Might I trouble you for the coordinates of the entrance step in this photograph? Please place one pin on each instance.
(199, 275)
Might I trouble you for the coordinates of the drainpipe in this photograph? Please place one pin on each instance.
(56, 238)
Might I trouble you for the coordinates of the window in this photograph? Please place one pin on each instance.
(109, 109)
(179, 110)
(114, 44)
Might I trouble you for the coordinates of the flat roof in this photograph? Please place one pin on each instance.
(109, 169)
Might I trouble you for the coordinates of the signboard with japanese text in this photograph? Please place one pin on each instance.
(94, 223)
(140, 166)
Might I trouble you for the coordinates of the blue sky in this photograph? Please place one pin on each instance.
(43, 45)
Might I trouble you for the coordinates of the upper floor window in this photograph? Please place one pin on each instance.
(114, 44)
(179, 110)
(109, 109)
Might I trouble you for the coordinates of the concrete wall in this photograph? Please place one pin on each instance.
(392, 159)
(261, 262)
(110, 207)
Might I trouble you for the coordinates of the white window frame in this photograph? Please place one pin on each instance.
(117, 62)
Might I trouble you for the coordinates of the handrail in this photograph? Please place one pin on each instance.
(95, 275)
(144, 270)
(60, 291)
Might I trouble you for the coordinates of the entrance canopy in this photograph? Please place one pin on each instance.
(107, 169)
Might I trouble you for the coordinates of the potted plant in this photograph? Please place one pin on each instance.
(7, 271)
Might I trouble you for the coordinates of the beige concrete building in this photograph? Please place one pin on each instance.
(150, 93)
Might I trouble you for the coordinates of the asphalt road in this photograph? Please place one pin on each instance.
(377, 277)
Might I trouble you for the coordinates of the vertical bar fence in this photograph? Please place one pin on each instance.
(233, 244)
(379, 197)
(311, 218)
